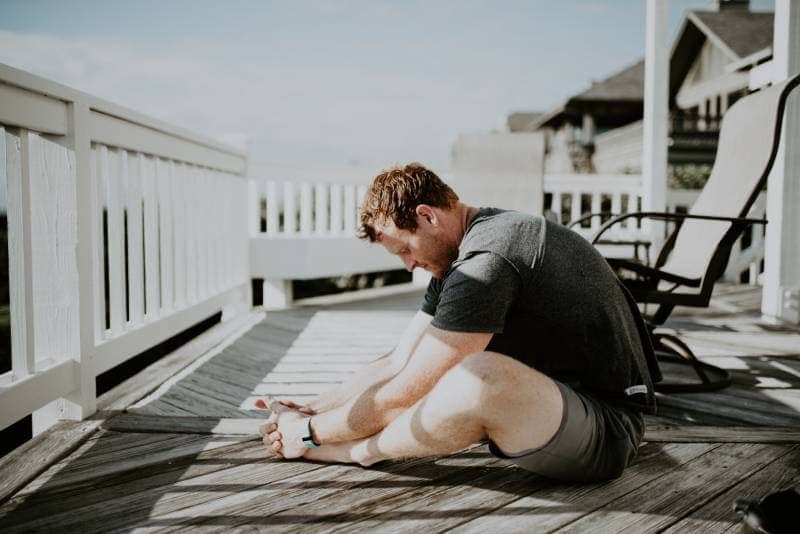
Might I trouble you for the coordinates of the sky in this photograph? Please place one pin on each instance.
(331, 83)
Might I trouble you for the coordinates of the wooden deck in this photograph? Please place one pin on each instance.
(182, 455)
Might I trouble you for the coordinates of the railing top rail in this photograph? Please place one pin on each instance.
(42, 86)
(590, 182)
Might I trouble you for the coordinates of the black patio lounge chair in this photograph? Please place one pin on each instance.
(696, 252)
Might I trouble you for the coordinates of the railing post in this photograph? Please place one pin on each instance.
(277, 293)
(82, 402)
(86, 197)
(656, 96)
(254, 206)
(781, 294)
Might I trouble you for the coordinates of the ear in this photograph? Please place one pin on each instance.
(427, 212)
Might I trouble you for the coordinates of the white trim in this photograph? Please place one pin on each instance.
(22, 108)
(122, 133)
(710, 35)
(43, 86)
(749, 61)
(20, 397)
(117, 350)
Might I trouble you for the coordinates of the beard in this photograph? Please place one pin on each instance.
(443, 255)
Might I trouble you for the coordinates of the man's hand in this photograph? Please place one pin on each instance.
(285, 428)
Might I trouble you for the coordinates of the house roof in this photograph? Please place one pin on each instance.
(739, 33)
(520, 121)
(743, 32)
(621, 89)
(626, 84)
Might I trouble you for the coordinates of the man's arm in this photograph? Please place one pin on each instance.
(378, 371)
(379, 404)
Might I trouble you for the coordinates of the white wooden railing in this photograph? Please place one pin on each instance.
(123, 231)
(306, 231)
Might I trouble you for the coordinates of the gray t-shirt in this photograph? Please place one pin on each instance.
(551, 301)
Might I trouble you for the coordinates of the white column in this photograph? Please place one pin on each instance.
(277, 293)
(781, 294)
(656, 96)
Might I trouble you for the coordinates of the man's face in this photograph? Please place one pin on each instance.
(425, 247)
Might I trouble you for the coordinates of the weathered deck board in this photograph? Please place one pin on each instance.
(186, 457)
(561, 504)
(29, 461)
(681, 492)
(718, 516)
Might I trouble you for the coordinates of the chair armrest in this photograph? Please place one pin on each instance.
(653, 273)
(667, 216)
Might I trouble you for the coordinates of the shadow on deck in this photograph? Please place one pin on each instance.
(185, 457)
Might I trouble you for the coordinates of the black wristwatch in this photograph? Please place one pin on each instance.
(308, 439)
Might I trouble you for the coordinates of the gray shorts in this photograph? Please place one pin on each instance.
(596, 441)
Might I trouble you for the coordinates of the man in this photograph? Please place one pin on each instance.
(525, 337)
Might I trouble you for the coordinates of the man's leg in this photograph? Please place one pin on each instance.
(487, 394)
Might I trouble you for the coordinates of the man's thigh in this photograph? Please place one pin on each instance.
(594, 440)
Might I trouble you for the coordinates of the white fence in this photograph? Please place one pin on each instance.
(123, 232)
(306, 231)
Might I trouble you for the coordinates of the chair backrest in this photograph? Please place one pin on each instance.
(748, 142)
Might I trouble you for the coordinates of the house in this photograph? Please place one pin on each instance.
(570, 128)
(715, 59)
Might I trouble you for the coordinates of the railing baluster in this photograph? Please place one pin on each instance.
(575, 212)
(179, 233)
(151, 261)
(595, 223)
(321, 209)
(135, 241)
(163, 186)
(98, 245)
(272, 208)
(201, 219)
(361, 192)
(336, 209)
(350, 209)
(111, 164)
(177, 204)
(555, 204)
(305, 208)
(289, 211)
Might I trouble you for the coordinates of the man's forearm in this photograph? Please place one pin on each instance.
(378, 371)
(361, 416)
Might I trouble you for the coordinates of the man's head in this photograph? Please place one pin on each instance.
(412, 213)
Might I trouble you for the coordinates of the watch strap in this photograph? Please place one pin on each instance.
(308, 439)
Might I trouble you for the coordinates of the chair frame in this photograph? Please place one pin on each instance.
(645, 290)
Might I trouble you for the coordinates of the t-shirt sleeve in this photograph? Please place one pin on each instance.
(477, 295)
(431, 300)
